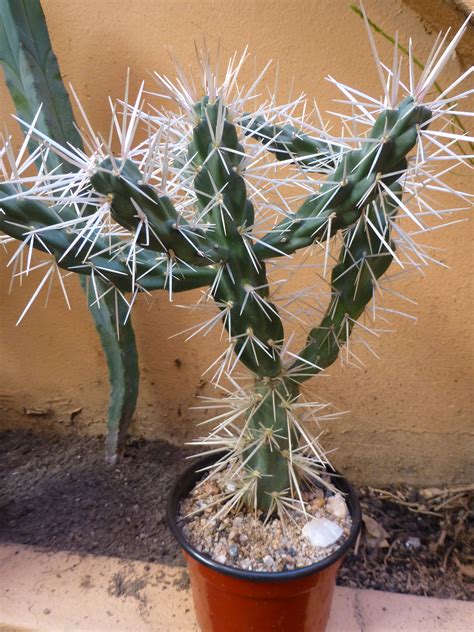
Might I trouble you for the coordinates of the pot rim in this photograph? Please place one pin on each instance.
(186, 482)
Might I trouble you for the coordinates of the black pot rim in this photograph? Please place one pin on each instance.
(187, 481)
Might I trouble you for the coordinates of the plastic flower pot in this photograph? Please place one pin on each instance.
(228, 599)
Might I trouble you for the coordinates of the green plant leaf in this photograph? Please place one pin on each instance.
(32, 72)
(118, 342)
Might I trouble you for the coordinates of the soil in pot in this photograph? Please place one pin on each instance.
(253, 542)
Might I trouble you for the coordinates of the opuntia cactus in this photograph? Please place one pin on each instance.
(199, 204)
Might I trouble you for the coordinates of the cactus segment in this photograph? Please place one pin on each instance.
(269, 426)
(366, 254)
(256, 327)
(33, 78)
(138, 207)
(358, 179)
(21, 216)
(288, 143)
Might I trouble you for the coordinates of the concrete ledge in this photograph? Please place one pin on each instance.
(61, 592)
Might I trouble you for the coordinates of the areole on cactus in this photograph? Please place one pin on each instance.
(219, 198)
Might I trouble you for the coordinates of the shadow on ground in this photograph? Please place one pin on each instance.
(57, 492)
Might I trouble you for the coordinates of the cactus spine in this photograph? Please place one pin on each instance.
(195, 215)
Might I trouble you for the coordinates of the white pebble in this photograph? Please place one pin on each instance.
(337, 506)
(268, 561)
(322, 532)
(221, 559)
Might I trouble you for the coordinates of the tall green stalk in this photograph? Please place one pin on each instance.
(34, 80)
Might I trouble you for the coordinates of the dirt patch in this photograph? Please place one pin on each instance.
(255, 541)
(56, 492)
(416, 541)
(123, 586)
(182, 582)
(86, 582)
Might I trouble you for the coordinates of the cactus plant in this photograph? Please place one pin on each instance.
(220, 198)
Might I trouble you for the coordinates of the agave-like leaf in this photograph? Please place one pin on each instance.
(34, 80)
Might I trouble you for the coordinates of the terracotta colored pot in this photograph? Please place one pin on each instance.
(228, 599)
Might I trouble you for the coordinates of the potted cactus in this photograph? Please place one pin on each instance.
(232, 198)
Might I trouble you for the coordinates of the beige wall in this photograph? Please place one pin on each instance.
(411, 411)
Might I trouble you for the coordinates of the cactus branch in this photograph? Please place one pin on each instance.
(290, 144)
(356, 181)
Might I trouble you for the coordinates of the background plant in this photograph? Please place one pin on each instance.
(215, 197)
(34, 81)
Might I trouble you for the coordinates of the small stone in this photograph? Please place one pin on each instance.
(243, 538)
(209, 488)
(322, 532)
(221, 559)
(268, 561)
(47, 611)
(161, 517)
(337, 506)
(413, 543)
(233, 551)
(233, 535)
